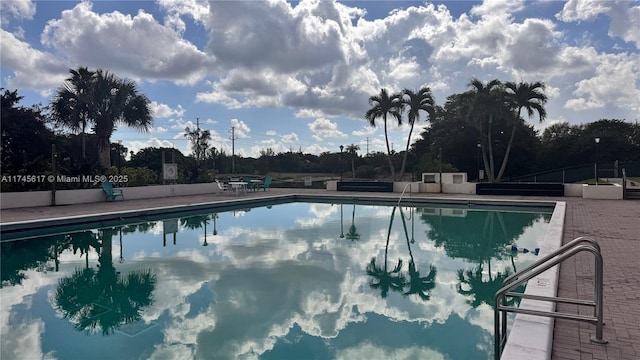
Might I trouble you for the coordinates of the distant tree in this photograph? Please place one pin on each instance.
(380, 106)
(109, 101)
(26, 140)
(199, 140)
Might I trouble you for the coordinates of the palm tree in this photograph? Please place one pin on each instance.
(117, 101)
(416, 102)
(529, 96)
(71, 104)
(486, 106)
(104, 101)
(380, 106)
(353, 150)
(386, 280)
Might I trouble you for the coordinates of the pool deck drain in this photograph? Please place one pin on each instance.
(615, 224)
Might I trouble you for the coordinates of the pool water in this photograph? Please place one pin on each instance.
(287, 281)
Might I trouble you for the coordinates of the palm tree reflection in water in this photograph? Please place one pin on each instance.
(394, 279)
(352, 234)
(104, 298)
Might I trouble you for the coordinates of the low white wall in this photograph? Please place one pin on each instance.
(610, 192)
(82, 196)
(465, 188)
(413, 187)
(573, 190)
(25, 199)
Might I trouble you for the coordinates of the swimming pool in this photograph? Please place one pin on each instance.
(296, 280)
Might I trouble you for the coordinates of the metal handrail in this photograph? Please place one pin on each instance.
(403, 190)
(568, 250)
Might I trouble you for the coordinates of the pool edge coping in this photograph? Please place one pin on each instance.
(531, 337)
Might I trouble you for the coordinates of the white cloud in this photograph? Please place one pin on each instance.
(290, 138)
(16, 9)
(615, 82)
(625, 18)
(122, 44)
(32, 68)
(165, 111)
(241, 129)
(324, 128)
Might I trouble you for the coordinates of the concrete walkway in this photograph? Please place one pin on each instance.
(615, 224)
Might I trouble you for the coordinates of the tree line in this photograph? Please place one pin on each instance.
(481, 128)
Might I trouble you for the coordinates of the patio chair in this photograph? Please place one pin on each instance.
(266, 184)
(250, 186)
(110, 192)
(221, 186)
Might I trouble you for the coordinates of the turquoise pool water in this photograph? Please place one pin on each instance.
(287, 281)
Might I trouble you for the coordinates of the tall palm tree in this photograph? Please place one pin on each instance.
(486, 106)
(117, 102)
(529, 96)
(416, 102)
(380, 106)
(71, 104)
(104, 101)
(353, 150)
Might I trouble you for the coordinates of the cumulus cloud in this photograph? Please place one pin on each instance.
(32, 68)
(122, 43)
(165, 111)
(324, 128)
(625, 19)
(615, 82)
(16, 9)
(240, 128)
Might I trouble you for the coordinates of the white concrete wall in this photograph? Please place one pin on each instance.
(573, 190)
(466, 188)
(413, 187)
(24, 199)
(81, 196)
(447, 178)
(611, 192)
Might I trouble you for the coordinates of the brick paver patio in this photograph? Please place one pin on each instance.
(615, 224)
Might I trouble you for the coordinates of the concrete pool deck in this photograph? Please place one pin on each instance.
(615, 224)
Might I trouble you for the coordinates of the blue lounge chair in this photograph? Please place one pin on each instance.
(266, 184)
(110, 192)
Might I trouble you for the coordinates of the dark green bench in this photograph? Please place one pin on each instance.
(368, 186)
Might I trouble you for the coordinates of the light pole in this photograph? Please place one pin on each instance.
(596, 163)
(341, 148)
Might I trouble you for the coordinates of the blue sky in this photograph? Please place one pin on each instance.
(297, 75)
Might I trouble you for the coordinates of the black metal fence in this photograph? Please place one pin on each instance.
(582, 172)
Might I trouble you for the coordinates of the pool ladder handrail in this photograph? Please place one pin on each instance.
(403, 190)
(566, 251)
